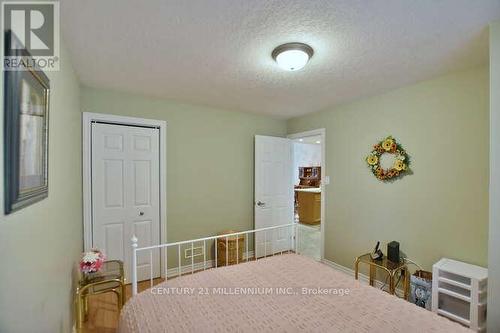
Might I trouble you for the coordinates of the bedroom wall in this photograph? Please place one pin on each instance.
(209, 160)
(40, 243)
(441, 210)
(494, 226)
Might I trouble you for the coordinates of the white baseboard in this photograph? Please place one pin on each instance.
(361, 277)
(173, 272)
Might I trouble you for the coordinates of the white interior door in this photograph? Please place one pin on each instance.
(273, 194)
(125, 194)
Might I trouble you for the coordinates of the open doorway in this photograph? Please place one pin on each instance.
(276, 181)
(308, 185)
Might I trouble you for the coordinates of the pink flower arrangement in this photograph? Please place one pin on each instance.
(92, 261)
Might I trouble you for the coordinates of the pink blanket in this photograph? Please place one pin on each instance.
(287, 293)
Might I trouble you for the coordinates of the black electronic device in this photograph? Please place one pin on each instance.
(393, 251)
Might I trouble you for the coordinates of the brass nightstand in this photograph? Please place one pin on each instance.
(109, 279)
(391, 268)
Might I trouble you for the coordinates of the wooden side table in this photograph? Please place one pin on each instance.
(109, 279)
(391, 268)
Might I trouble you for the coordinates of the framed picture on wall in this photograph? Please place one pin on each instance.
(26, 130)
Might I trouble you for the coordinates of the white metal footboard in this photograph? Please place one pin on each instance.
(291, 246)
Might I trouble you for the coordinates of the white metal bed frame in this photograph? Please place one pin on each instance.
(293, 246)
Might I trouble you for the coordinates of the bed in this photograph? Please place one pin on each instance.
(267, 295)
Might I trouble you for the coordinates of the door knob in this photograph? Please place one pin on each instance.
(261, 204)
(141, 213)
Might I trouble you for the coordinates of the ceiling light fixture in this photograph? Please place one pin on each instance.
(292, 56)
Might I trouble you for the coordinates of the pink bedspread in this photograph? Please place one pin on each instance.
(275, 301)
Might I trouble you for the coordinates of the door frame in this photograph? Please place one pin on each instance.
(87, 119)
(322, 133)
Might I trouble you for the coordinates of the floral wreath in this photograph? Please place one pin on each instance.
(401, 162)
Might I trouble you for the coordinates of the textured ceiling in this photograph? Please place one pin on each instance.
(218, 52)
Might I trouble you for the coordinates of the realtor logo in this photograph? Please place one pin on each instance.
(32, 29)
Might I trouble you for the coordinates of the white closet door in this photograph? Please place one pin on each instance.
(273, 193)
(125, 194)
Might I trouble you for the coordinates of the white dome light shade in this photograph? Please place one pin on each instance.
(292, 56)
(292, 60)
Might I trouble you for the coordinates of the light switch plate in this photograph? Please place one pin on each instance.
(327, 180)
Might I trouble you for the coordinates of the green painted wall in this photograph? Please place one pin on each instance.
(40, 244)
(209, 160)
(494, 226)
(439, 211)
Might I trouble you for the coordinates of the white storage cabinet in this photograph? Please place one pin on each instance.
(459, 292)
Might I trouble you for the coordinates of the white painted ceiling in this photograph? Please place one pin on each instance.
(218, 52)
